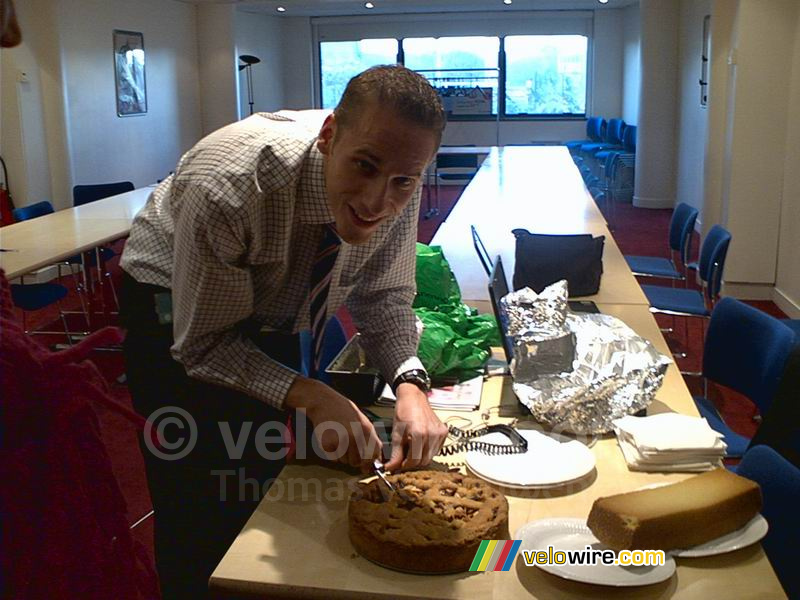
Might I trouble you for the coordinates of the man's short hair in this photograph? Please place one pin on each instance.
(395, 86)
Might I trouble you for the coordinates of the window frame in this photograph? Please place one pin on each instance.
(501, 84)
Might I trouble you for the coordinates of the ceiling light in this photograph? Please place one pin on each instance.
(507, 1)
(369, 5)
(281, 9)
(603, 1)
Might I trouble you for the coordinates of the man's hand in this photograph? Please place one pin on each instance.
(417, 433)
(341, 430)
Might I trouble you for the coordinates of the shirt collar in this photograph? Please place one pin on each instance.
(312, 197)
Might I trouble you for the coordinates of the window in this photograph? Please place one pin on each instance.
(476, 76)
(339, 61)
(545, 74)
(464, 70)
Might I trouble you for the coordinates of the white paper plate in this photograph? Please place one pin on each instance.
(512, 486)
(573, 534)
(751, 533)
(547, 463)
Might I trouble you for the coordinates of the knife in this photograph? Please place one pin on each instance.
(377, 468)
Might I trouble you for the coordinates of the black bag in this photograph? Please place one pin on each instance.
(544, 259)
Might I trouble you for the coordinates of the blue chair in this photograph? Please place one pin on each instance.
(35, 296)
(780, 489)
(628, 145)
(694, 303)
(33, 211)
(794, 325)
(39, 209)
(746, 350)
(84, 194)
(595, 130)
(681, 227)
(612, 138)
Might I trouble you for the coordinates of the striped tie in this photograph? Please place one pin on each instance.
(320, 284)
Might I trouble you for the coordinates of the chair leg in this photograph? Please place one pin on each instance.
(113, 289)
(64, 321)
(142, 519)
(80, 290)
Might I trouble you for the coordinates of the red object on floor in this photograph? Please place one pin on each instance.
(65, 531)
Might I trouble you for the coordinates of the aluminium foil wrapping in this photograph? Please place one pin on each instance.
(578, 371)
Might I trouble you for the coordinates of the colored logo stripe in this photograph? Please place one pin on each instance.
(498, 551)
(487, 556)
(495, 555)
(479, 555)
(512, 554)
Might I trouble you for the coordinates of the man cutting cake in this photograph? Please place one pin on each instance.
(266, 228)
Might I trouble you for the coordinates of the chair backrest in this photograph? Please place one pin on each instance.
(595, 128)
(615, 131)
(680, 229)
(780, 489)
(39, 209)
(746, 350)
(464, 161)
(780, 427)
(483, 254)
(83, 194)
(629, 138)
(712, 259)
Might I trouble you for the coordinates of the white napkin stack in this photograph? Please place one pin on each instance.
(669, 442)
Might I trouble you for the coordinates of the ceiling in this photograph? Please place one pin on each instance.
(321, 8)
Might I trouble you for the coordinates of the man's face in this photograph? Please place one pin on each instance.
(372, 168)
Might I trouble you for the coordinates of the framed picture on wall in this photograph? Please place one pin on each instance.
(129, 73)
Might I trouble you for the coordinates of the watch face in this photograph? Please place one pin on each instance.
(417, 376)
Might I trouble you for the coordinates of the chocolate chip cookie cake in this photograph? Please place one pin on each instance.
(433, 524)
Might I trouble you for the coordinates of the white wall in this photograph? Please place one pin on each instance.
(757, 138)
(692, 117)
(61, 128)
(631, 41)
(607, 61)
(298, 60)
(656, 136)
(260, 35)
(33, 126)
(787, 283)
(104, 146)
(217, 64)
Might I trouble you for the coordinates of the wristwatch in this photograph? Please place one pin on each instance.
(416, 376)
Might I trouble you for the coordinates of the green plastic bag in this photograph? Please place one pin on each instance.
(456, 341)
(436, 284)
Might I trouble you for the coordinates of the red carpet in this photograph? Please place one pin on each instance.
(637, 231)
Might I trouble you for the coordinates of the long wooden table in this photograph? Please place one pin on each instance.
(535, 188)
(43, 241)
(296, 544)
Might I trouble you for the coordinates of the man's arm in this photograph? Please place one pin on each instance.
(212, 302)
(212, 295)
(381, 309)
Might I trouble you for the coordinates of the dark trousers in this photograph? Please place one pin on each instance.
(203, 499)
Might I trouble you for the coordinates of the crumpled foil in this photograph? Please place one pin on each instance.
(543, 345)
(609, 371)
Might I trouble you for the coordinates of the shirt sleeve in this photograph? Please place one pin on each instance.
(212, 295)
(381, 302)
